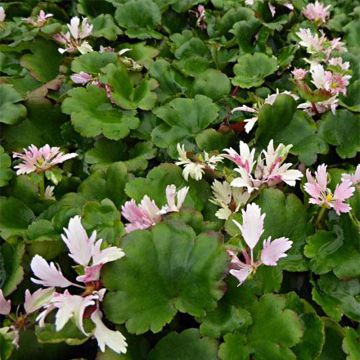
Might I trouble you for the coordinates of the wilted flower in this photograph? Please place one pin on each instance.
(229, 199)
(251, 229)
(321, 195)
(201, 17)
(270, 169)
(40, 20)
(2, 14)
(196, 169)
(317, 12)
(88, 253)
(354, 178)
(147, 213)
(81, 78)
(40, 160)
(73, 40)
(256, 108)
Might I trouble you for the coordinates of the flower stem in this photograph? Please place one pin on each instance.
(42, 185)
(320, 216)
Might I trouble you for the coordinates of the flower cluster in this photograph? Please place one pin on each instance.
(39, 160)
(251, 229)
(90, 256)
(41, 19)
(317, 12)
(269, 169)
(249, 123)
(328, 74)
(73, 40)
(321, 195)
(196, 167)
(147, 213)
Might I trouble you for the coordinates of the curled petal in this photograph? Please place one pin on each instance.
(274, 250)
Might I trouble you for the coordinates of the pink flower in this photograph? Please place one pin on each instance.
(273, 251)
(322, 196)
(200, 13)
(81, 78)
(299, 74)
(73, 40)
(40, 20)
(40, 160)
(5, 305)
(353, 178)
(244, 159)
(336, 83)
(147, 213)
(317, 12)
(47, 274)
(312, 43)
(36, 300)
(251, 230)
(339, 62)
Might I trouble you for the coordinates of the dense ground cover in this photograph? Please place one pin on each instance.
(179, 179)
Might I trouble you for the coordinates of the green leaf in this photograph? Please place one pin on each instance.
(272, 337)
(285, 216)
(6, 346)
(139, 18)
(175, 260)
(182, 120)
(92, 114)
(13, 256)
(187, 345)
(10, 111)
(93, 62)
(251, 70)
(15, 217)
(333, 338)
(342, 130)
(351, 344)
(44, 61)
(282, 123)
(104, 218)
(212, 83)
(335, 250)
(125, 93)
(141, 53)
(234, 347)
(104, 26)
(5, 171)
(225, 318)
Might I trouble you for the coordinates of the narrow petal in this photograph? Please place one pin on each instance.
(106, 337)
(78, 242)
(47, 274)
(5, 305)
(274, 250)
(38, 299)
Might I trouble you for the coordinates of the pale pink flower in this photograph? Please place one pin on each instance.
(38, 299)
(40, 160)
(86, 251)
(81, 78)
(243, 159)
(299, 74)
(270, 169)
(339, 62)
(41, 19)
(2, 14)
(5, 305)
(147, 213)
(272, 9)
(312, 43)
(200, 13)
(336, 83)
(354, 178)
(317, 12)
(274, 250)
(322, 196)
(320, 107)
(47, 274)
(73, 40)
(251, 229)
(175, 199)
(106, 337)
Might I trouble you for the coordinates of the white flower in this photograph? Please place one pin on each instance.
(38, 299)
(2, 14)
(106, 337)
(171, 196)
(312, 43)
